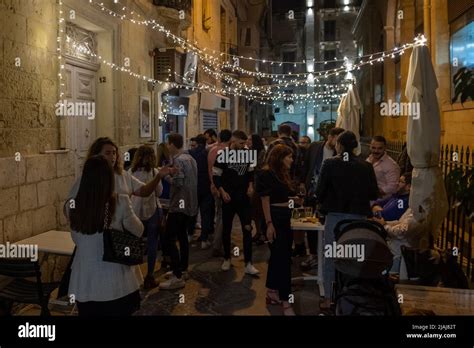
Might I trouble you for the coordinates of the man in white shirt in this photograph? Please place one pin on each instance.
(386, 169)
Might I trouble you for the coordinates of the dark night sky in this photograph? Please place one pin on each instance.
(280, 6)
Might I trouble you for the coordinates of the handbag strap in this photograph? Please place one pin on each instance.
(106, 217)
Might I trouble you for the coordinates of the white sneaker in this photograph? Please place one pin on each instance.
(172, 283)
(206, 245)
(250, 269)
(226, 265)
(185, 275)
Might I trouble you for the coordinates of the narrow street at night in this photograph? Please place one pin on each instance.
(246, 171)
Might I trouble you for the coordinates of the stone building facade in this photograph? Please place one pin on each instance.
(42, 154)
(382, 25)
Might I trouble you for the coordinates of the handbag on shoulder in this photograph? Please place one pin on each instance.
(121, 246)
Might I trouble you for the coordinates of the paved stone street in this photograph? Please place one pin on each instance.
(210, 291)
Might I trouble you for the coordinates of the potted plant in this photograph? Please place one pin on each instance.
(460, 185)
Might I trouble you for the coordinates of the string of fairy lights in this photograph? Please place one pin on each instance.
(217, 66)
(217, 61)
(59, 49)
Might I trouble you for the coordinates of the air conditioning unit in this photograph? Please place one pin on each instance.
(214, 102)
(168, 65)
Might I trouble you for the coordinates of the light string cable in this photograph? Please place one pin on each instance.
(215, 61)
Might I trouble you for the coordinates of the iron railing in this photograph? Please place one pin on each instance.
(179, 5)
(456, 229)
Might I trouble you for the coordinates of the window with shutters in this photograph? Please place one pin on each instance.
(248, 37)
(330, 30)
(206, 14)
(209, 120)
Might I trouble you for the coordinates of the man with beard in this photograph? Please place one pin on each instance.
(386, 169)
(392, 208)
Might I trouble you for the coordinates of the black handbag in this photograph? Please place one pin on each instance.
(121, 246)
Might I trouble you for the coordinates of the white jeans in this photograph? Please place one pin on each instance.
(395, 245)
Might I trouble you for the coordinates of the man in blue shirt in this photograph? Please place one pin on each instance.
(393, 207)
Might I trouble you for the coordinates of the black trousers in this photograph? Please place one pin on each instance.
(240, 205)
(207, 209)
(124, 306)
(176, 228)
(279, 266)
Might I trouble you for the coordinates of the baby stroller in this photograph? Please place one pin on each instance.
(363, 286)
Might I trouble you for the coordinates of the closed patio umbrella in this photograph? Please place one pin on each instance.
(348, 113)
(428, 199)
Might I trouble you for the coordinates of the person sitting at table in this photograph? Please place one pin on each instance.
(345, 187)
(274, 186)
(392, 208)
(99, 287)
(148, 209)
(405, 231)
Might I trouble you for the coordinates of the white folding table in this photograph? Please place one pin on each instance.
(52, 242)
(299, 225)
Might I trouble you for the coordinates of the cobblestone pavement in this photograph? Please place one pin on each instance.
(210, 291)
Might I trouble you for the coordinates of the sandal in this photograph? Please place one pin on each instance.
(272, 297)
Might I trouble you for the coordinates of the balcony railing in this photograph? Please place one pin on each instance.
(229, 48)
(178, 5)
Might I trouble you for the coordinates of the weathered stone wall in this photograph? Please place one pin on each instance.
(28, 92)
(32, 193)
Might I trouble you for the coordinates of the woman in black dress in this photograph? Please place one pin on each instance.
(275, 188)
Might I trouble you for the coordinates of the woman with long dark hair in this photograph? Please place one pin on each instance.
(255, 143)
(275, 187)
(99, 287)
(124, 182)
(148, 209)
(345, 187)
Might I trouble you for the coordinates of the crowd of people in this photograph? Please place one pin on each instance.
(205, 191)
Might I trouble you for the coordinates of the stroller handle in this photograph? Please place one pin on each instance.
(374, 226)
